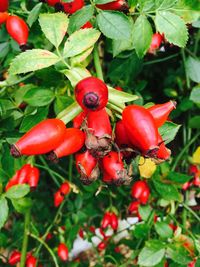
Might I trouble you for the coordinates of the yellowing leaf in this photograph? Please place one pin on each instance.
(196, 156)
(146, 167)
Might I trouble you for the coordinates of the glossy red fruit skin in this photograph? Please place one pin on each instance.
(156, 41)
(186, 185)
(98, 123)
(192, 263)
(87, 25)
(112, 164)
(92, 94)
(52, 2)
(31, 261)
(78, 120)
(23, 174)
(65, 188)
(14, 257)
(86, 161)
(4, 5)
(115, 5)
(160, 112)
(140, 190)
(13, 181)
(193, 169)
(73, 141)
(121, 136)
(73, 6)
(58, 198)
(114, 221)
(101, 246)
(133, 207)
(63, 252)
(163, 152)
(17, 29)
(196, 180)
(41, 139)
(33, 177)
(141, 128)
(3, 17)
(106, 220)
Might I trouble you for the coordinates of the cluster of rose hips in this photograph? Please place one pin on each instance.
(92, 139)
(15, 257)
(26, 175)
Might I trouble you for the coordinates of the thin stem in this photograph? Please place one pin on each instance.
(51, 172)
(184, 62)
(191, 211)
(47, 247)
(25, 238)
(5, 84)
(159, 60)
(183, 151)
(97, 63)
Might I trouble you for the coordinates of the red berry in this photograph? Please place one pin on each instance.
(3, 17)
(33, 177)
(41, 139)
(81, 233)
(160, 112)
(58, 198)
(31, 261)
(115, 5)
(121, 136)
(17, 29)
(186, 185)
(193, 169)
(65, 188)
(74, 140)
(163, 152)
(157, 39)
(14, 257)
(140, 190)
(4, 5)
(63, 252)
(13, 180)
(91, 93)
(101, 246)
(113, 221)
(52, 2)
(87, 25)
(73, 6)
(24, 173)
(49, 236)
(118, 88)
(106, 220)
(78, 120)
(141, 129)
(133, 207)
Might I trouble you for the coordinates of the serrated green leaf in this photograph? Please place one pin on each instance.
(142, 35)
(165, 4)
(79, 18)
(80, 41)
(163, 230)
(114, 25)
(21, 205)
(173, 27)
(38, 97)
(81, 57)
(144, 212)
(17, 191)
(119, 46)
(166, 191)
(168, 131)
(195, 95)
(54, 26)
(179, 254)
(33, 15)
(32, 60)
(178, 177)
(3, 211)
(146, 5)
(151, 254)
(76, 74)
(193, 69)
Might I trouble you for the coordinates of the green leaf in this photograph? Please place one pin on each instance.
(168, 131)
(70, 112)
(166, 191)
(195, 95)
(142, 35)
(173, 27)
(194, 122)
(81, 57)
(141, 230)
(76, 74)
(30, 120)
(151, 254)
(144, 212)
(120, 97)
(163, 230)
(179, 254)
(178, 177)
(193, 69)
(114, 25)
(101, 2)
(32, 60)
(80, 17)
(164, 4)
(3, 211)
(62, 102)
(18, 191)
(119, 46)
(33, 15)
(80, 41)
(38, 97)
(21, 205)
(54, 27)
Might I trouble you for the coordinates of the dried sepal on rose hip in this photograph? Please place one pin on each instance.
(87, 166)
(92, 94)
(113, 169)
(41, 139)
(74, 140)
(98, 133)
